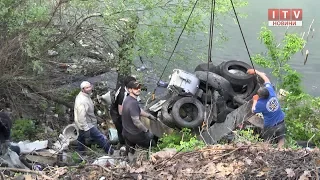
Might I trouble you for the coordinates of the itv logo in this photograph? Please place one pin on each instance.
(285, 17)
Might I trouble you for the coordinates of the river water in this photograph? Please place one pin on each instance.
(234, 48)
(257, 14)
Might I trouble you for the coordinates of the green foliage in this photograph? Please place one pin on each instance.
(303, 117)
(23, 129)
(277, 58)
(247, 135)
(71, 95)
(302, 110)
(183, 140)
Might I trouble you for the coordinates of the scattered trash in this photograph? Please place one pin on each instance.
(27, 147)
(41, 159)
(11, 159)
(71, 132)
(113, 135)
(104, 161)
(163, 84)
(142, 68)
(52, 53)
(37, 167)
(61, 144)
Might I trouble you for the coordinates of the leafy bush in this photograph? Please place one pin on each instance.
(182, 141)
(247, 135)
(23, 129)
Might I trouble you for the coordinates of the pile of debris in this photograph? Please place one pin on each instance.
(233, 161)
(217, 90)
(239, 161)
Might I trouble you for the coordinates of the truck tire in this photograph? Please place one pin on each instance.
(166, 110)
(183, 123)
(204, 67)
(254, 91)
(234, 78)
(219, 83)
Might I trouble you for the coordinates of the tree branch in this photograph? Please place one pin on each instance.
(55, 11)
(88, 17)
(48, 96)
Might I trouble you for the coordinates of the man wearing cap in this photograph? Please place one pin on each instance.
(133, 130)
(267, 103)
(116, 107)
(86, 120)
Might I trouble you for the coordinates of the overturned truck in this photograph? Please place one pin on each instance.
(215, 100)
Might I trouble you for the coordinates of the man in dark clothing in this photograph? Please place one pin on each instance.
(267, 103)
(134, 132)
(5, 133)
(116, 108)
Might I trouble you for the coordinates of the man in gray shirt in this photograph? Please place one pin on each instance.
(134, 131)
(86, 120)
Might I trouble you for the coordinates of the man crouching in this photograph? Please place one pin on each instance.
(134, 132)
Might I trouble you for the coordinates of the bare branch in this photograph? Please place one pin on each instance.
(88, 17)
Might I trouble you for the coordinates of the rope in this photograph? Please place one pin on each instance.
(184, 27)
(213, 7)
(245, 43)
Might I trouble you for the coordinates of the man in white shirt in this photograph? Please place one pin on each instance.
(86, 120)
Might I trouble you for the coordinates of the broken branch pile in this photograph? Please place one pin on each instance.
(236, 161)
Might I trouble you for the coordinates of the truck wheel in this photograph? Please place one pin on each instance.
(197, 115)
(166, 109)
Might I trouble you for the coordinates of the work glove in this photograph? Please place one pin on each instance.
(255, 97)
(149, 135)
(251, 71)
(152, 117)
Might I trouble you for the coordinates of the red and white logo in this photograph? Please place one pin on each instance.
(285, 17)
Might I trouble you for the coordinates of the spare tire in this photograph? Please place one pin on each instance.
(166, 109)
(235, 78)
(183, 123)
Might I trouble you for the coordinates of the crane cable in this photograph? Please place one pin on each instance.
(213, 7)
(244, 40)
(184, 27)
